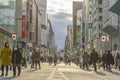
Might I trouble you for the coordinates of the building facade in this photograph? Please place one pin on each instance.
(77, 5)
(51, 39)
(42, 6)
(7, 22)
(110, 27)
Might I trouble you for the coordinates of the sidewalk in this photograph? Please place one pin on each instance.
(32, 74)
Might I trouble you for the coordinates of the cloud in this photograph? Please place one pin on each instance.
(60, 22)
(5, 1)
(60, 14)
(60, 5)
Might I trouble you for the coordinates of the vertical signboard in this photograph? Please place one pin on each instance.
(90, 21)
(36, 25)
(30, 20)
(23, 26)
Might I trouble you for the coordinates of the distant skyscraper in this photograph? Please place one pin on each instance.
(42, 5)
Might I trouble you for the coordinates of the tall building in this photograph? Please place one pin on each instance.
(67, 45)
(7, 22)
(100, 25)
(87, 25)
(77, 5)
(97, 24)
(42, 5)
(51, 39)
(111, 26)
(70, 37)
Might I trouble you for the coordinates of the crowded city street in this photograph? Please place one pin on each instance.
(59, 39)
(62, 72)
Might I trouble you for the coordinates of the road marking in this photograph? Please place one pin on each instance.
(51, 75)
(63, 75)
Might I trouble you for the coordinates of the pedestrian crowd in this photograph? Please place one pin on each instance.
(107, 61)
(8, 58)
(13, 59)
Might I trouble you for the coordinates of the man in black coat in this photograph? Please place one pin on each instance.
(94, 59)
(104, 57)
(16, 60)
(109, 60)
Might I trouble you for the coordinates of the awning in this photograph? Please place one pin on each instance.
(109, 29)
(116, 8)
(4, 31)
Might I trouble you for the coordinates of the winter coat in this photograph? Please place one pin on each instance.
(6, 56)
(85, 58)
(118, 60)
(110, 59)
(94, 57)
(104, 57)
(55, 58)
(17, 58)
(37, 56)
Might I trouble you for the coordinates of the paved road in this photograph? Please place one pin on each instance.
(62, 72)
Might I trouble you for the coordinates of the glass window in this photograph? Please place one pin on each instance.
(100, 10)
(99, 1)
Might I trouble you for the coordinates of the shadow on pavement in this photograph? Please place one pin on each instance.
(115, 73)
(101, 73)
(8, 78)
(89, 70)
(31, 70)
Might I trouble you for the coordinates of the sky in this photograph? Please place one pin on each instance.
(4, 1)
(60, 14)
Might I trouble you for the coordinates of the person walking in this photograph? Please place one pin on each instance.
(50, 59)
(104, 61)
(33, 57)
(109, 60)
(37, 58)
(94, 59)
(81, 59)
(69, 60)
(6, 58)
(117, 61)
(55, 59)
(85, 60)
(16, 60)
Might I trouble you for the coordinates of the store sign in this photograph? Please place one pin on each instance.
(103, 38)
(14, 36)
